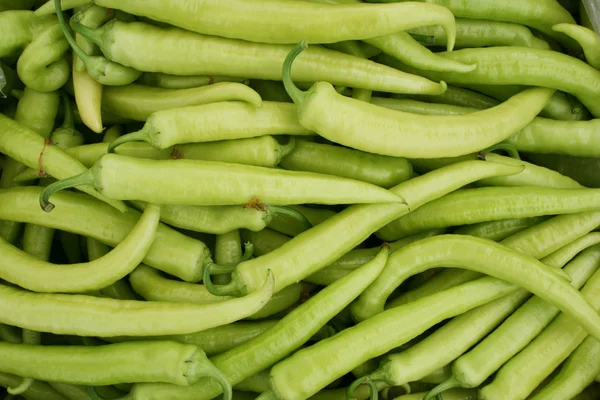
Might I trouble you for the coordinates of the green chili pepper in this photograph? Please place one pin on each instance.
(549, 348)
(138, 102)
(420, 107)
(577, 372)
(326, 159)
(119, 289)
(482, 33)
(215, 121)
(25, 146)
(146, 361)
(538, 16)
(93, 316)
(472, 368)
(567, 252)
(149, 284)
(171, 252)
(197, 54)
(42, 65)
(177, 183)
(297, 258)
(18, 28)
(587, 39)
(311, 370)
(36, 111)
(41, 276)
(574, 138)
(399, 134)
(492, 204)
(456, 96)
(499, 230)
(99, 68)
(291, 332)
(351, 21)
(167, 81)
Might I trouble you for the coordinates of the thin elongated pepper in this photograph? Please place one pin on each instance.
(551, 347)
(474, 367)
(41, 276)
(419, 107)
(197, 54)
(540, 16)
(42, 65)
(399, 134)
(88, 92)
(373, 299)
(118, 290)
(297, 259)
(94, 316)
(499, 230)
(289, 22)
(26, 146)
(171, 252)
(577, 372)
(179, 183)
(152, 286)
(144, 361)
(566, 253)
(510, 65)
(18, 28)
(491, 204)
(456, 96)
(167, 81)
(334, 160)
(575, 138)
(291, 332)
(215, 121)
(587, 39)
(138, 102)
(481, 33)
(318, 365)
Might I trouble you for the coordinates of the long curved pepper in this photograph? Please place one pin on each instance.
(587, 39)
(41, 276)
(395, 133)
(195, 182)
(469, 253)
(278, 21)
(81, 315)
(100, 69)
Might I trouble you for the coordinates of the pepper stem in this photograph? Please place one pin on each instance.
(141, 135)
(63, 26)
(22, 388)
(233, 288)
(292, 90)
(204, 368)
(442, 387)
(292, 213)
(248, 251)
(365, 380)
(287, 148)
(85, 178)
(507, 147)
(92, 34)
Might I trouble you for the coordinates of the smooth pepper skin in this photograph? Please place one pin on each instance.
(275, 21)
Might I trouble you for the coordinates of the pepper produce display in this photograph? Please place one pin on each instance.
(299, 199)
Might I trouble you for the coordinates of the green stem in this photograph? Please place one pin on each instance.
(292, 90)
(68, 122)
(141, 135)
(85, 178)
(365, 380)
(507, 147)
(22, 388)
(233, 288)
(207, 369)
(442, 387)
(248, 251)
(292, 213)
(287, 148)
(92, 34)
(63, 25)
(218, 269)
